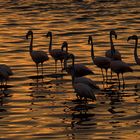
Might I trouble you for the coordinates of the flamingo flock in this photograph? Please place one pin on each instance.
(84, 87)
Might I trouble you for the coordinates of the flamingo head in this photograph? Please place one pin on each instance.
(29, 33)
(134, 37)
(49, 34)
(89, 39)
(112, 32)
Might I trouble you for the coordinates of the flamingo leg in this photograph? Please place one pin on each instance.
(118, 79)
(102, 74)
(123, 80)
(111, 74)
(37, 69)
(55, 65)
(106, 75)
(42, 68)
(61, 64)
(42, 72)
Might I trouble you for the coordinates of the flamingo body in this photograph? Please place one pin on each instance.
(39, 56)
(84, 91)
(5, 73)
(102, 62)
(79, 70)
(118, 66)
(87, 81)
(116, 55)
(6, 69)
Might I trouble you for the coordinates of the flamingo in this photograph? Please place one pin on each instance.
(84, 87)
(57, 54)
(37, 56)
(5, 73)
(118, 67)
(134, 37)
(113, 53)
(79, 69)
(101, 62)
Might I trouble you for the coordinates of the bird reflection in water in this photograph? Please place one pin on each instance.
(81, 116)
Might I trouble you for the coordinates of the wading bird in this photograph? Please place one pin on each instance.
(120, 67)
(57, 54)
(101, 62)
(113, 53)
(5, 72)
(37, 56)
(79, 69)
(134, 37)
(84, 87)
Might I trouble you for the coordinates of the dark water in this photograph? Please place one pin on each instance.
(51, 111)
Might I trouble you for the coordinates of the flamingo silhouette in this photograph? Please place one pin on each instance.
(120, 67)
(134, 37)
(113, 53)
(57, 54)
(101, 62)
(5, 73)
(37, 56)
(84, 87)
(79, 69)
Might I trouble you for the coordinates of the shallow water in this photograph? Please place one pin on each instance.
(50, 110)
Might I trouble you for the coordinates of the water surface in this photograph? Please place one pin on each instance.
(50, 111)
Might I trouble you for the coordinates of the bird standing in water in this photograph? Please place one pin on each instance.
(37, 56)
(79, 69)
(84, 87)
(120, 67)
(134, 37)
(57, 54)
(101, 62)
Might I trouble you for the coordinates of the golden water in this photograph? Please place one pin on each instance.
(51, 111)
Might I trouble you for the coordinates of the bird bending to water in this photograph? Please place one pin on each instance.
(118, 67)
(113, 53)
(57, 54)
(37, 56)
(84, 87)
(101, 62)
(134, 37)
(79, 69)
(5, 72)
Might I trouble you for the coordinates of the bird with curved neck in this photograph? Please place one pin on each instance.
(79, 69)
(101, 62)
(37, 56)
(84, 87)
(57, 54)
(113, 53)
(134, 37)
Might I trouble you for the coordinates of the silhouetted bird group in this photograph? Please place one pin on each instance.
(84, 87)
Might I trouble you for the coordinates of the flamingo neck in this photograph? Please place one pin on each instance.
(50, 44)
(31, 43)
(111, 43)
(135, 51)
